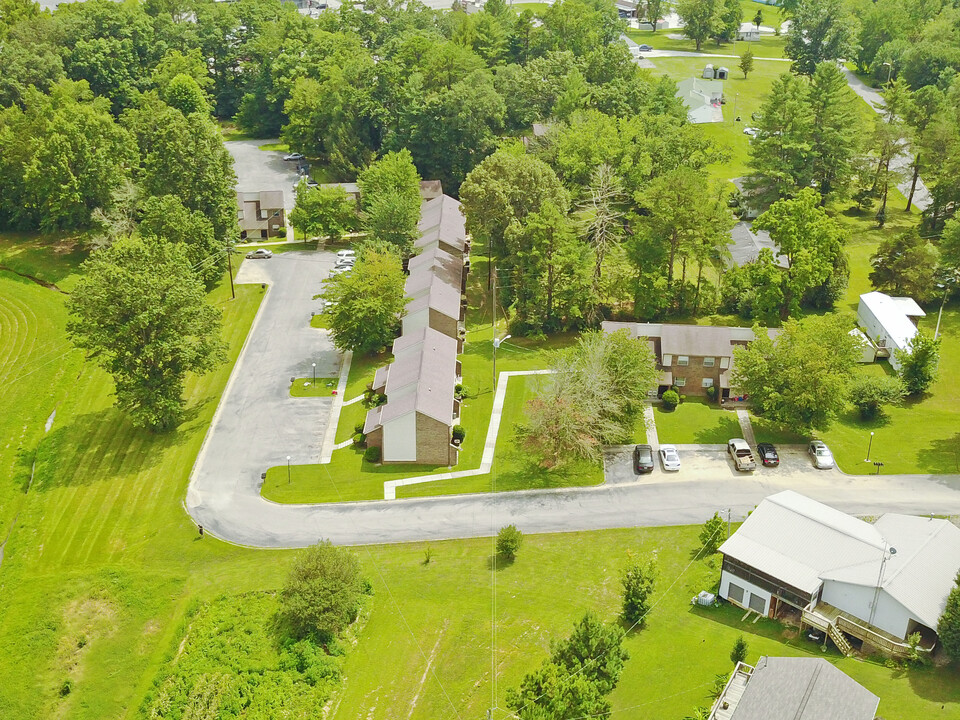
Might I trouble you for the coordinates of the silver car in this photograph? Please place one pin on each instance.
(821, 455)
(261, 254)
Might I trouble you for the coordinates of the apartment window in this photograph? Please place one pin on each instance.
(683, 360)
(667, 360)
(707, 382)
(709, 362)
(724, 363)
(679, 382)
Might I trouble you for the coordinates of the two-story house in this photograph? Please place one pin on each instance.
(260, 214)
(691, 357)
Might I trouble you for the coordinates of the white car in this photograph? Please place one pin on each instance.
(669, 458)
(822, 457)
(343, 254)
(340, 271)
(261, 254)
(751, 131)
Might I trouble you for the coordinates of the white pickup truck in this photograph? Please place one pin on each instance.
(741, 454)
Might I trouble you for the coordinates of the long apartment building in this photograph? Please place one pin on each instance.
(415, 425)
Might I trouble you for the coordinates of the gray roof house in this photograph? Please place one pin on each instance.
(746, 243)
(691, 357)
(442, 225)
(793, 688)
(875, 583)
(416, 422)
(260, 214)
(702, 99)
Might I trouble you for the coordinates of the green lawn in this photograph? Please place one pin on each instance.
(103, 566)
(306, 387)
(442, 610)
(513, 470)
(696, 421)
(349, 478)
(101, 547)
(923, 436)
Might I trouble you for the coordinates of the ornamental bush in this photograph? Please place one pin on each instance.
(671, 398)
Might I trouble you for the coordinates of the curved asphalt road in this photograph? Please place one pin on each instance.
(257, 425)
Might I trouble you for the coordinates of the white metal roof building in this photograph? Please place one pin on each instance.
(894, 575)
(889, 322)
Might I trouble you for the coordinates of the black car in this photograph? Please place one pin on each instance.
(643, 459)
(768, 454)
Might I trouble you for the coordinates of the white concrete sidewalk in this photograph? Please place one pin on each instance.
(489, 445)
(330, 433)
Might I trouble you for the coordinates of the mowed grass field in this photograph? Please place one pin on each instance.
(102, 560)
(103, 563)
(440, 614)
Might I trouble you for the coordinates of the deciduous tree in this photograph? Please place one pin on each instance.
(638, 580)
(948, 627)
(712, 535)
(821, 30)
(919, 363)
(322, 593)
(141, 313)
(869, 393)
(906, 265)
(325, 212)
(746, 62)
(367, 302)
(809, 238)
(800, 379)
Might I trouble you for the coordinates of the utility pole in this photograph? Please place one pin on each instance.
(233, 294)
(728, 523)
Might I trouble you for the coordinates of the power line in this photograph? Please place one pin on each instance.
(638, 621)
(397, 606)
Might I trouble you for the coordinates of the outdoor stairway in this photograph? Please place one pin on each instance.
(839, 639)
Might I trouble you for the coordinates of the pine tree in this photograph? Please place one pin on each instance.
(739, 652)
(835, 132)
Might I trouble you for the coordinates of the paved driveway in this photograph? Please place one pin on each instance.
(258, 424)
(263, 169)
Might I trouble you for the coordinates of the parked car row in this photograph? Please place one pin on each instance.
(739, 451)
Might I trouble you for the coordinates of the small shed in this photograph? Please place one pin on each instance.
(708, 72)
(868, 351)
(721, 73)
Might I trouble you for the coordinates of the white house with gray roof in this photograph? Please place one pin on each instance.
(793, 688)
(877, 583)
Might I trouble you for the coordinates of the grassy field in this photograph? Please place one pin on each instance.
(101, 548)
(441, 612)
(103, 566)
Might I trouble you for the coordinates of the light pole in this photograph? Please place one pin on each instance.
(889, 71)
(870, 445)
(315, 376)
(876, 592)
(496, 344)
(288, 469)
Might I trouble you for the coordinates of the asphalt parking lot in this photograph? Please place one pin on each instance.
(263, 169)
(703, 462)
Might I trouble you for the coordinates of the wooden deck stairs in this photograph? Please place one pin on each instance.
(839, 639)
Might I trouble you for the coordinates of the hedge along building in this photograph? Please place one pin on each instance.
(416, 423)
